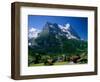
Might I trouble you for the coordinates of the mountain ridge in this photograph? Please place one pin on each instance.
(61, 30)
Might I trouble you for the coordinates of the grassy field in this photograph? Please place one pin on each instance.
(57, 63)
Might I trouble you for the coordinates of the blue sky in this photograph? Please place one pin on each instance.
(79, 24)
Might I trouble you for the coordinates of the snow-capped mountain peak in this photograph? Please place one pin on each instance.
(56, 29)
(69, 31)
(65, 27)
(33, 33)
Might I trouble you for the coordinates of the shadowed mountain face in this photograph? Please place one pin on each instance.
(55, 30)
(59, 30)
(52, 32)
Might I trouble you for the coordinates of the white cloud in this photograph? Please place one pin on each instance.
(33, 32)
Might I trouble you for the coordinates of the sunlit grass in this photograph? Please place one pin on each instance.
(60, 63)
(40, 64)
(57, 63)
